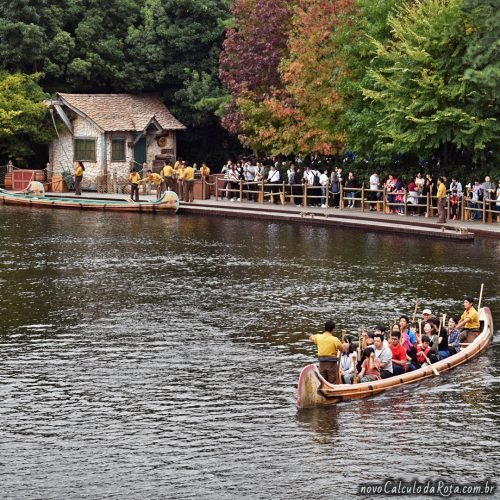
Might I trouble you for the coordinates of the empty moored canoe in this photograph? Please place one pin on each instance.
(168, 203)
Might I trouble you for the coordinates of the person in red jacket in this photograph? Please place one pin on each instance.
(398, 354)
(423, 351)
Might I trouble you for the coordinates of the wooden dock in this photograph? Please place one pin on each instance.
(330, 217)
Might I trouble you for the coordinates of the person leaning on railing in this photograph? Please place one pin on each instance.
(204, 171)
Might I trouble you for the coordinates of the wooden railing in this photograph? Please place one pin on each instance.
(380, 200)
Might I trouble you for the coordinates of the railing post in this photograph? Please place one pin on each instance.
(327, 194)
(341, 204)
(217, 189)
(384, 200)
(363, 197)
(305, 194)
(484, 208)
(241, 191)
(427, 211)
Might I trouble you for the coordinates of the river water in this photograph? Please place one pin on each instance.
(157, 357)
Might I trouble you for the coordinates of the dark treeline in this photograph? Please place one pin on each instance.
(389, 84)
(170, 47)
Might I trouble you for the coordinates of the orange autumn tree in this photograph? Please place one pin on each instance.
(304, 116)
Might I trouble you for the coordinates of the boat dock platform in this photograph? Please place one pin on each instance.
(352, 219)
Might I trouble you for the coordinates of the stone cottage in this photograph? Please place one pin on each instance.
(111, 133)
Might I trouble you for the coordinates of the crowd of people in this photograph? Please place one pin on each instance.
(324, 187)
(406, 346)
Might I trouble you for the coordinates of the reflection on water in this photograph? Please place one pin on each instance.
(149, 356)
(323, 420)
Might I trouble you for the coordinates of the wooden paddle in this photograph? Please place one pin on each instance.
(434, 369)
(340, 356)
(443, 322)
(355, 373)
(435, 346)
(359, 342)
(480, 297)
(415, 312)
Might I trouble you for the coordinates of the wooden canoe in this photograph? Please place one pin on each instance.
(168, 203)
(314, 390)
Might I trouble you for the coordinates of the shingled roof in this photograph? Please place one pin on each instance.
(122, 112)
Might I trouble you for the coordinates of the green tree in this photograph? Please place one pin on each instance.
(418, 87)
(23, 116)
(175, 49)
(482, 74)
(361, 117)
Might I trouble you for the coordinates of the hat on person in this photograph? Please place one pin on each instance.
(426, 311)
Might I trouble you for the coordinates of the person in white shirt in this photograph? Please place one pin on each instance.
(250, 173)
(233, 181)
(273, 178)
(374, 186)
(457, 186)
(308, 176)
(225, 170)
(323, 180)
(384, 354)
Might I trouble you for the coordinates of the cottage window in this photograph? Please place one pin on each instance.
(85, 149)
(118, 150)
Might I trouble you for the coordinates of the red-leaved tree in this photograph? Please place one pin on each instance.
(252, 52)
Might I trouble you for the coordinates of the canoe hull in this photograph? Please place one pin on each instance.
(169, 203)
(314, 390)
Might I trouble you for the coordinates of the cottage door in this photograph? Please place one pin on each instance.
(140, 153)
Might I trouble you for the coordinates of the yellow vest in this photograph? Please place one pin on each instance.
(473, 322)
(156, 179)
(134, 177)
(328, 345)
(189, 174)
(167, 171)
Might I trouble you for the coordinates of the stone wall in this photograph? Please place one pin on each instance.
(62, 154)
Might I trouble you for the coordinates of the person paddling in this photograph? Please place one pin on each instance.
(328, 350)
(469, 321)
